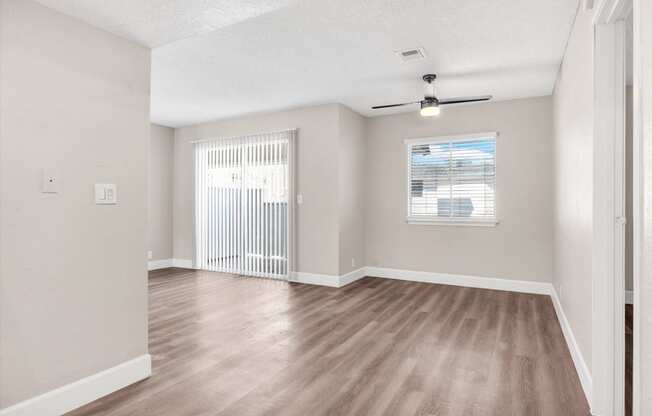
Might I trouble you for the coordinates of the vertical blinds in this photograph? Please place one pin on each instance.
(452, 179)
(242, 188)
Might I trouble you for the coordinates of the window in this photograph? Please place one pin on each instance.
(452, 180)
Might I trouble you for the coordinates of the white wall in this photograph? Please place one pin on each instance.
(573, 176)
(161, 168)
(73, 282)
(520, 247)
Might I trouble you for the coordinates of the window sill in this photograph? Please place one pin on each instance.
(452, 222)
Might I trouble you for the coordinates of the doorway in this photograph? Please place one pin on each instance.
(243, 219)
(629, 213)
(610, 214)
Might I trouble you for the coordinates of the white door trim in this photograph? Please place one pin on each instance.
(641, 117)
(609, 208)
(610, 11)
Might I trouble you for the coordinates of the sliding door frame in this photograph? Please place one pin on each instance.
(290, 229)
(292, 205)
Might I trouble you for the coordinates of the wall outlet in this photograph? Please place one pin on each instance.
(299, 199)
(149, 255)
(352, 261)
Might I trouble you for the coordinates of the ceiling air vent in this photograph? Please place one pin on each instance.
(413, 54)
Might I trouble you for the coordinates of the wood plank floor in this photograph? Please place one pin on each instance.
(629, 358)
(227, 345)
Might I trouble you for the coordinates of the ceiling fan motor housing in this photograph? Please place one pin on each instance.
(430, 102)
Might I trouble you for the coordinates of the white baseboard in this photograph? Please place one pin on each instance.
(327, 279)
(81, 392)
(352, 276)
(183, 263)
(315, 279)
(576, 354)
(159, 264)
(629, 297)
(523, 286)
(165, 263)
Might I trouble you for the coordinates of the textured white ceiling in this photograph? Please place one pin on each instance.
(157, 22)
(267, 55)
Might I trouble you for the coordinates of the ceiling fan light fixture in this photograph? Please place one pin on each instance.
(430, 109)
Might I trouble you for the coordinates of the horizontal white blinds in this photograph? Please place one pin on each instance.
(452, 179)
(241, 204)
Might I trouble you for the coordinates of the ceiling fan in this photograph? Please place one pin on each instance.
(430, 103)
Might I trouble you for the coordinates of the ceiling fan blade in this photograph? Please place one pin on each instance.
(460, 100)
(393, 105)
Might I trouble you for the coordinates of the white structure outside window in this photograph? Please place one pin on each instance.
(452, 180)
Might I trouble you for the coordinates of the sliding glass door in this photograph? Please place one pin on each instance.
(242, 217)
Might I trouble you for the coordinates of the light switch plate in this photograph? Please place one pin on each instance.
(106, 194)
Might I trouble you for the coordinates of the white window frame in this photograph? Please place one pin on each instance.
(435, 220)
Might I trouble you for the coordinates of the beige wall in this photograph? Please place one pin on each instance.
(573, 175)
(520, 247)
(351, 190)
(161, 168)
(73, 292)
(317, 180)
(330, 174)
(335, 222)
